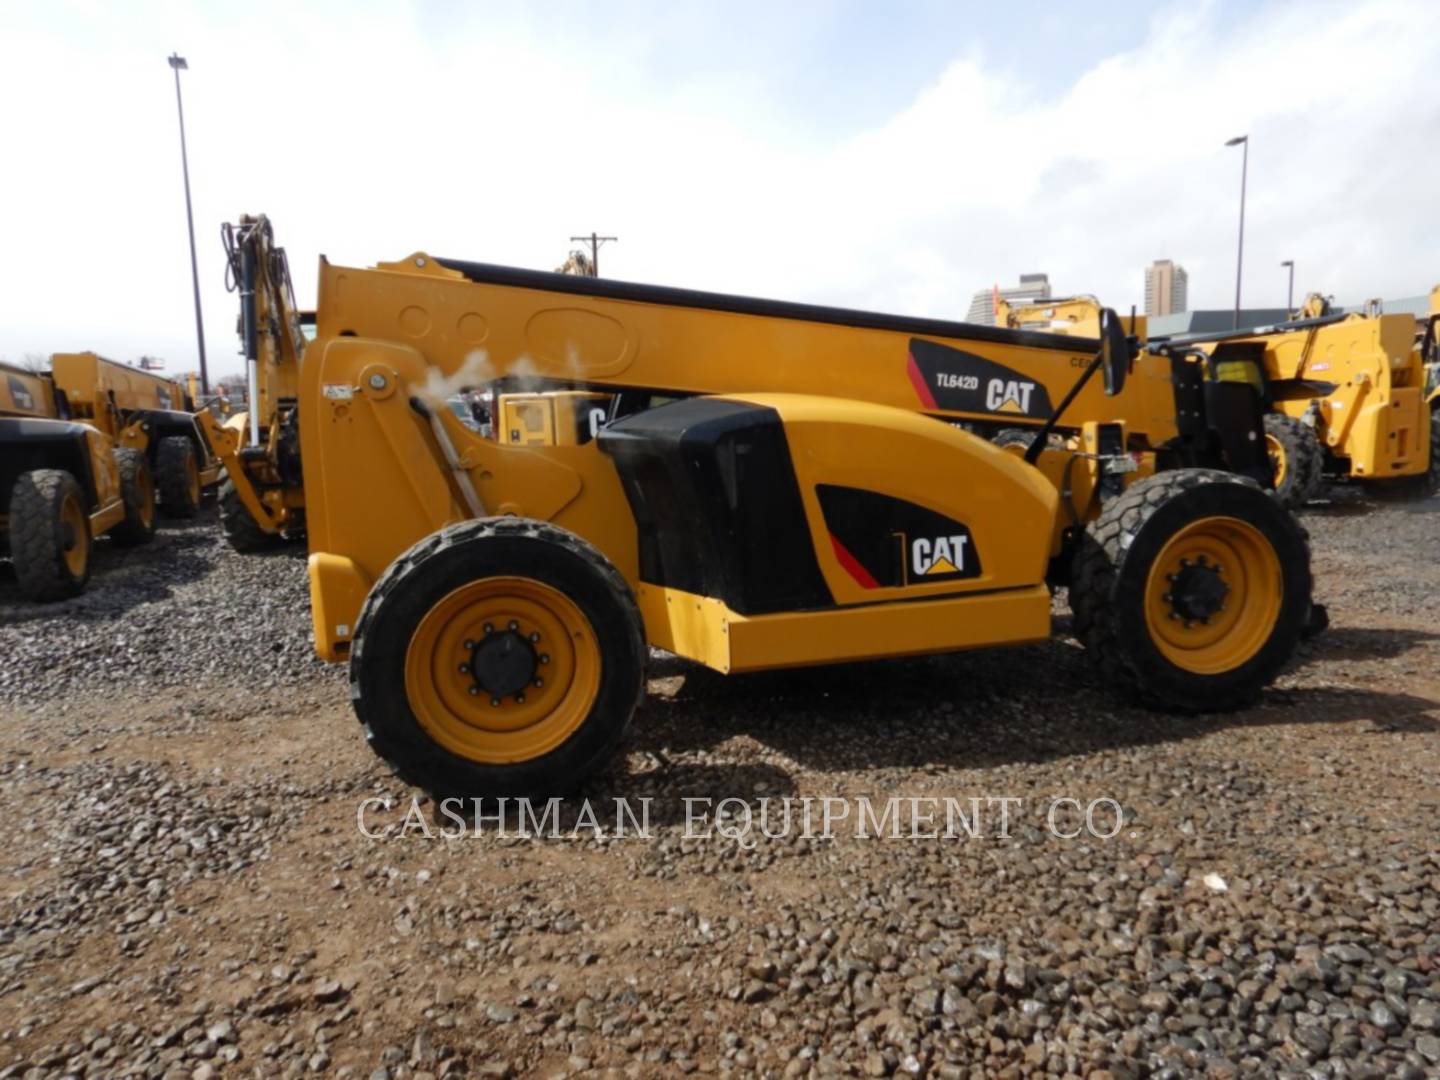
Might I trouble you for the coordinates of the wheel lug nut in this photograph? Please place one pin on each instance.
(514, 625)
(489, 629)
(474, 690)
(464, 669)
(539, 681)
(469, 644)
(495, 701)
(1172, 578)
(544, 657)
(1168, 597)
(520, 698)
(535, 635)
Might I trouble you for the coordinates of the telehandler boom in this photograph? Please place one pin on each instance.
(772, 485)
(63, 484)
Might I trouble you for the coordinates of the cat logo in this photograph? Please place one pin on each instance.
(941, 555)
(1009, 395)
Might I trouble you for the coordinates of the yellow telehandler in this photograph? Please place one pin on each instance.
(63, 483)
(1345, 393)
(147, 412)
(769, 485)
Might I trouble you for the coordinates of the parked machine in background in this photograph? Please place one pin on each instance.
(63, 484)
(1345, 394)
(262, 499)
(773, 485)
(147, 412)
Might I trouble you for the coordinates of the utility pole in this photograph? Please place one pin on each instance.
(1290, 292)
(1244, 141)
(594, 241)
(178, 64)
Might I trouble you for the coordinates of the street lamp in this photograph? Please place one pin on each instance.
(178, 64)
(1290, 292)
(1240, 140)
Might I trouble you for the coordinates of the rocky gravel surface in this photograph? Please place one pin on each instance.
(186, 890)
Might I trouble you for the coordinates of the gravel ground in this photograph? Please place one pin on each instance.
(186, 891)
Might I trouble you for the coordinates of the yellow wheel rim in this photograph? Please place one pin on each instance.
(1277, 458)
(455, 693)
(192, 482)
(1213, 595)
(74, 536)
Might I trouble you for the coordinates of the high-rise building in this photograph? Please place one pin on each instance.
(1031, 287)
(1166, 288)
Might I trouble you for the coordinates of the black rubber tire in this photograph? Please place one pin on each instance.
(441, 563)
(38, 537)
(137, 490)
(1013, 436)
(1107, 591)
(1304, 459)
(242, 531)
(177, 473)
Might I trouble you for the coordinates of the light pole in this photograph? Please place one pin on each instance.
(1240, 140)
(178, 64)
(1290, 292)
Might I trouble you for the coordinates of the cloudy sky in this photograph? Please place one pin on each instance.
(895, 156)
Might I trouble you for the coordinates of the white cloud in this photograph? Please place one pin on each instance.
(367, 133)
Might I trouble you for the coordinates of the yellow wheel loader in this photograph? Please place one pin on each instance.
(62, 485)
(147, 412)
(751, 485)
(1344, 394)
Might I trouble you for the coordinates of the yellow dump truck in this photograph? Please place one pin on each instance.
(147, 412)
(63, 483)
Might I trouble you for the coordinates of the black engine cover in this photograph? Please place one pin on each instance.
(719, 513)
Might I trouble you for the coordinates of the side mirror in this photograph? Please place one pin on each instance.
(1114, 352)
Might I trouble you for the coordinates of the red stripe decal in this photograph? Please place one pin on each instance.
(917, 380)
(852, 565)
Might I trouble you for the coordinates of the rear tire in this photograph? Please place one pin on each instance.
(1297, 457)
(242, 531)
(177, 471)
(1203, 633)
(455, 719)
(137, 490)
(50, 542)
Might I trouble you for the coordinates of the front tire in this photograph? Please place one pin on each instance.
(242, 531)
(137, 490)
(50, 542)
(178, 473)
(1192, 590)
(498, 657)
